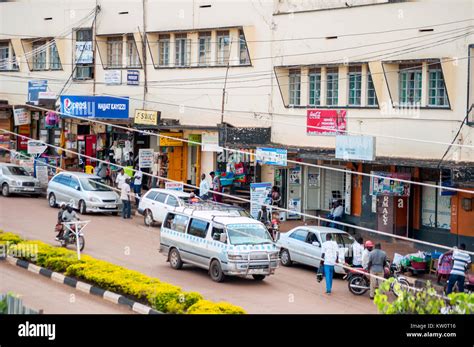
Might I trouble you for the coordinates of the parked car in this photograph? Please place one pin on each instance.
(16, 179)
(86, 193)
(302, 244)
(156, 203)
(223, 245)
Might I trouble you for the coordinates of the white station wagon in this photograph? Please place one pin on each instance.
(156, 203)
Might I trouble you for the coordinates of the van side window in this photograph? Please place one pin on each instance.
(216, 230)
(176, 222)
(198, 228)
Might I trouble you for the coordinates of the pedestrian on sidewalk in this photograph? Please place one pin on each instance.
(137, 184)
(121, 177)
(125, 197)
(329, 250)
(462, 260)
(216, 187)
(204, 188)
(377, 260)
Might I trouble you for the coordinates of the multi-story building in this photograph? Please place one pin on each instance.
(368, 86)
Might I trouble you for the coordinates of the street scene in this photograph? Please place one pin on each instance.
(237, 157)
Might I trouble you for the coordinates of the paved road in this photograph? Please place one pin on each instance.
(129, 243)
(38, 292)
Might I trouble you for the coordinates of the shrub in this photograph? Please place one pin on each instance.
(9, 237)
(208, 307)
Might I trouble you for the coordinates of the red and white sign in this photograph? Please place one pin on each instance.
(325, 122)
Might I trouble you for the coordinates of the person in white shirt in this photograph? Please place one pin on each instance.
(137, 184)
(204, 188)
(369, 246)
(357, 250)
(121, 177)
(329, 254)
(125, 197)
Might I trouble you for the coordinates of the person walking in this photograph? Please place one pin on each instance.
(461, 262)
(329, 254)
(125, 197)
(137, 184)
(377, 260)
(121, 177)
(216, 187)
(204, 188)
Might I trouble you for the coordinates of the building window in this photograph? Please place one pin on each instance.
(114, 52)
(410, 83)
(7, 57)
(371, 95)
(435, 209)
(295, 88)
(223, 47)
(39, 55)
(315, 88)
(243, 50)
(163, 50)
(54, 61)
(332, 87)
(204, 48)
(355, 85)
(182, 50)
(133, 59)
(437, 96)
(84, 55)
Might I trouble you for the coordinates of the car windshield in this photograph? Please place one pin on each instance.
(94, 184)
(16, 171)
(248, 234)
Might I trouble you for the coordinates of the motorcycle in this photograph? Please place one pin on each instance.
(69, 238)
(359, 280)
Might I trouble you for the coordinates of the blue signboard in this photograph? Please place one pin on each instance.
(260, 193)
(350, 147)
(94, 106)
(133, 77)
(271, 156)
(34, 88)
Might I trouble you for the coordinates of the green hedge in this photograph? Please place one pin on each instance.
(161, 296)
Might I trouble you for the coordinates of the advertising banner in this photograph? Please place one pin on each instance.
(174, 186)
(271, 156)
(145, 158)
(259, 194)
(133, 77)
(36, 147)
(21, 117)
(34, 88)
(146, 117)
(325, 122)
(84, 52)
(387, 186)
(350, 147)
(94, 106)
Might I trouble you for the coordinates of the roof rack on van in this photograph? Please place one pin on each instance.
(230, 216)
(209, 206)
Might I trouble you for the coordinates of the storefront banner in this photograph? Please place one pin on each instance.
(146, 117)
(34, 88)
(355, 147)
(271, 156)
(387, 186)
(113, 77)
(259, 194)
(133, 77)
(36, 147)
(84, 52)
(194, 138)
(21, 116)
(167, 142)
(94, 106)
(210, 143)
(145, 158)
(174, 186)
(41, 171)
(325, 122)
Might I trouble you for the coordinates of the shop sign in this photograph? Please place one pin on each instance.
(210, 143)
(133, 77)
(178, 186)
(355, 147)
(113, 77)
(145, 158)
(34, 88)
(41, 171)
(167, 142)
(23, 141)
(325, 122)
(387, 186)
(105, 107)
(385, 213)
(21, 116)
(259, 194)
(146, 117)
(36, 147)
(194, 138)
(271, 156)
(84, 52)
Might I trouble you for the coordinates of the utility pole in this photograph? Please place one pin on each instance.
(225, 84)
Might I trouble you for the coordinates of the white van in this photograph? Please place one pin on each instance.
(223, 244)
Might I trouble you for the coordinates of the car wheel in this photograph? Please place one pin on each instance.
(5, 190)
(175, 259)
(82, 207)
(148, 219)
(215, 271)
(258, 277)
(285, 258)
(52, 200)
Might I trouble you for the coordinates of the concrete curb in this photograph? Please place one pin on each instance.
(83, 287)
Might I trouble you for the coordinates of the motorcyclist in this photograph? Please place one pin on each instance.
(368, 247)
(59, 223)
(69, 215)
